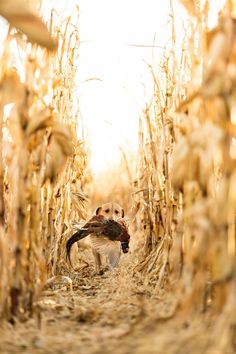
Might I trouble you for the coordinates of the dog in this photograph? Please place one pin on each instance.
(110, 211)
(107, 233)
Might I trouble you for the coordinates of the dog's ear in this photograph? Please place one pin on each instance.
(122, 213)
(98, 210)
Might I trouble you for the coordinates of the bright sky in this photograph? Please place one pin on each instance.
(111, 107)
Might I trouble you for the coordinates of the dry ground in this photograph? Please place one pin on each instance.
(113, 313)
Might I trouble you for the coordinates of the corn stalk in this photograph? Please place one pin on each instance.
(42, 159)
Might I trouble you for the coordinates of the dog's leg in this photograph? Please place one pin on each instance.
(98, 262)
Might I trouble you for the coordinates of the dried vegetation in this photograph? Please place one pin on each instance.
(183, 197)
(42, 160)
(186, 186)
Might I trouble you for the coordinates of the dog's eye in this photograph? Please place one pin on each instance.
(116, 211)
(107, 210)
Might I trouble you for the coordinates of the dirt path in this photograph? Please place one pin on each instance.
(106, 314)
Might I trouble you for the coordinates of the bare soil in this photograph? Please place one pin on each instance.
(112, 313)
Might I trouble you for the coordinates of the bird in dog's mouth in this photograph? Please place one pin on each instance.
(104, 232)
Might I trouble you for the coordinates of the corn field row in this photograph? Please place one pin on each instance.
(184, 192)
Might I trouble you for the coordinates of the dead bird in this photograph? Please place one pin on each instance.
(107, 236)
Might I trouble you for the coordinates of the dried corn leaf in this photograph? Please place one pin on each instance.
(62, 135)
(193, 156)
(14, 127)
(12, 90)
(218, 53)
(40, 120)
(221, 265)
(55, 161)
(20, 16)
(57, 282)
(189, 6)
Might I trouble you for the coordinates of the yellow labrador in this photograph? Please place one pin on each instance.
(101, 246)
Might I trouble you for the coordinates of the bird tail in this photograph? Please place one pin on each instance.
(79, 235)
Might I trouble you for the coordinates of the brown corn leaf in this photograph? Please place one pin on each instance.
(63, 137)
(12, 90)
(218, 54)
(20, 16)
(41, 120)
(57, 282)
(54, 161)
(14, 127)
(199, 147)
(220, 263)
(189, 6)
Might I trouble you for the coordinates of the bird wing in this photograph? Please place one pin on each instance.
(106, 247)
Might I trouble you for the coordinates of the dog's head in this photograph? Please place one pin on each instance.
(111, 211)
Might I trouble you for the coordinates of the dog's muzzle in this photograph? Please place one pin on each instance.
(125, 247)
